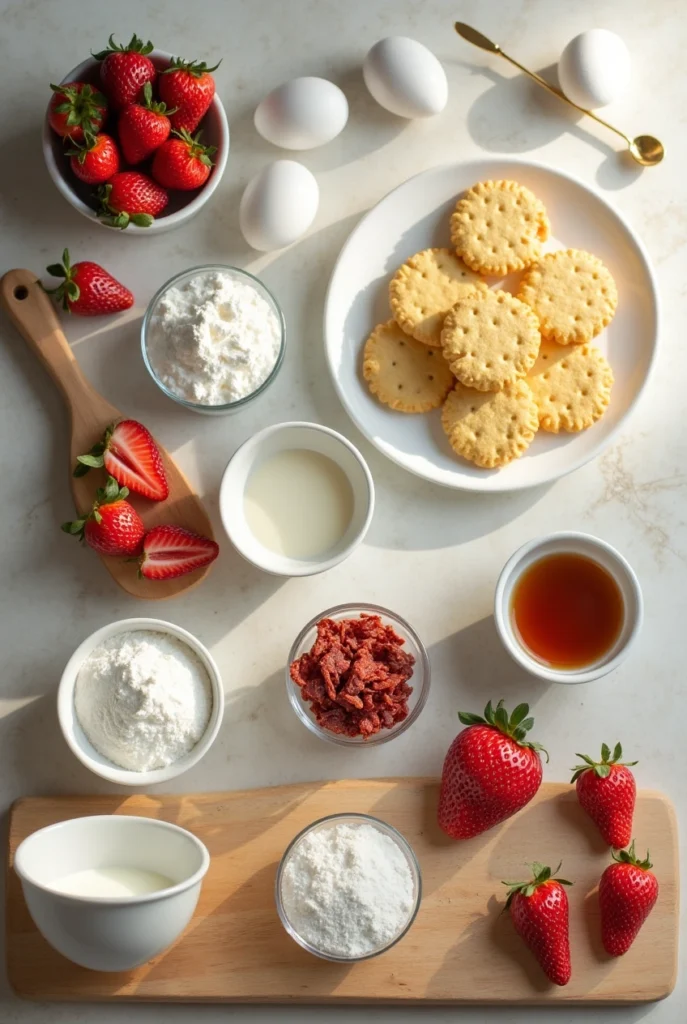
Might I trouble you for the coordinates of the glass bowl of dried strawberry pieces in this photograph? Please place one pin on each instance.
(358, 674)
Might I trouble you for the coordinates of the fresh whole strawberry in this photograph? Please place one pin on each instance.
(491, 771)
(539, 911)
(189, 87)
(143, 127)
(170, 551)
(113, 526)
(183, 162)
(131, 197)
(95, 161)
(606, 789)
(125, 70)
(129, 454)
(628, 891)
(76, 107)
(87, 289)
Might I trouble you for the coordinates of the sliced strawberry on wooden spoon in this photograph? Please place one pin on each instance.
(170, 551)
(129, 454)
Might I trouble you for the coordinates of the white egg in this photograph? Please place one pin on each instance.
(278, 205)
(302, 113)
(405, 77)
(594, 68)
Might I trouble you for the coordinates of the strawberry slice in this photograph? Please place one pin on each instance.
(170, 551)
(129, 454)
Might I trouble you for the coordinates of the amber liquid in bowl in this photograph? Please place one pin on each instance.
(567, 610)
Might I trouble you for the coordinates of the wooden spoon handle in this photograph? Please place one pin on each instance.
(33, 314)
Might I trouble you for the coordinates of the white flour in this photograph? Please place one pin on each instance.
(347, 889)
(213, 339)
(143, 699)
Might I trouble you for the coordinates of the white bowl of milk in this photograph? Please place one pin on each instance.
(110, 892)
(296, 499)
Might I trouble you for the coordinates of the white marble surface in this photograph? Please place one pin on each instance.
(432, 555)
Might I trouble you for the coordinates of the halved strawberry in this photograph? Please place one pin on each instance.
(170, 551)
(129, 454)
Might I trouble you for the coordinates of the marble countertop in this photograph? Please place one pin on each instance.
(450, 545)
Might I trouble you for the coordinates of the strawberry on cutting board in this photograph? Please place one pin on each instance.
(125, 70)
(143, 127)
(491, 771)
(96, 160)
(628, 891)
(129, 454)
(189, 87)
(607, 791)
(131, 197)
(170, 551)
(182, 162)
(540, 913)
(87, 289)
(76, 107)
(113, 526)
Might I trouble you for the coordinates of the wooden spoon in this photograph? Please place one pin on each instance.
(33, 314)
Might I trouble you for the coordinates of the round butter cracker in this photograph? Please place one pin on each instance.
(402, 372)
(490, 340)
(498, 227)
(573, 294)
(425, 287)
(571, 386)
(490, 428)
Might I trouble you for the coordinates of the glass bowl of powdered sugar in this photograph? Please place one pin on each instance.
(348, 887)
(213, 338)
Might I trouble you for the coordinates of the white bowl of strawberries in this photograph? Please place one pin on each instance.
(136, 138)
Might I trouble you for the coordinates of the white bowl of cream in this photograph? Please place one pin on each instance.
(140, 701)
(296, 499)
(110, 892)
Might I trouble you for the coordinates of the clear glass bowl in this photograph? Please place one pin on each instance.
(419, 680)
(243, 275)
(350, 819)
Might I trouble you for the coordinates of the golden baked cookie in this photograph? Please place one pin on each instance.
(425, 287)
(571, 386)
(498, 227)
(490, 339)
(490, 428)
(573, 294)
(402, 372)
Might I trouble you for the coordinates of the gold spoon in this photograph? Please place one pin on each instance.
(645, 149)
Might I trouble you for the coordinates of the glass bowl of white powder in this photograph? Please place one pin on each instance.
(140, 701)
(213, 338)
(348, 887)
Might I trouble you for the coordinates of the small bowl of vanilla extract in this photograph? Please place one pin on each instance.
(568, 607)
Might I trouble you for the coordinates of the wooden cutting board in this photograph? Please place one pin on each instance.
(459, 950)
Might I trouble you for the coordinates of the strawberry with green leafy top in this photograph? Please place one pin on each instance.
(143, 127)
(113, 526)
(125, 70)
(540, 913)
(74, 108)
(128, 452)
(182, 162)
(606, 790)
(88, 289)
(131, 197)
(628, 891)
(95, 161)
(189, 87)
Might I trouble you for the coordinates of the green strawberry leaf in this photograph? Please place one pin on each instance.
(605, 752)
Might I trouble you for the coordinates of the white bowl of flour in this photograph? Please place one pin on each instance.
(140, 701)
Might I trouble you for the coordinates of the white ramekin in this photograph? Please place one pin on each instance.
(607, 557)
(75, 736)
(268, 442)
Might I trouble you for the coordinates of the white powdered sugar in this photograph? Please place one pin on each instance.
(143, 699)
(213, 338)
(347, 889)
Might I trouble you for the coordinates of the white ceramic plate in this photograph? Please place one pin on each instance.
(416, 215)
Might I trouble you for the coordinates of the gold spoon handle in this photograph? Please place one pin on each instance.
(471, 35)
